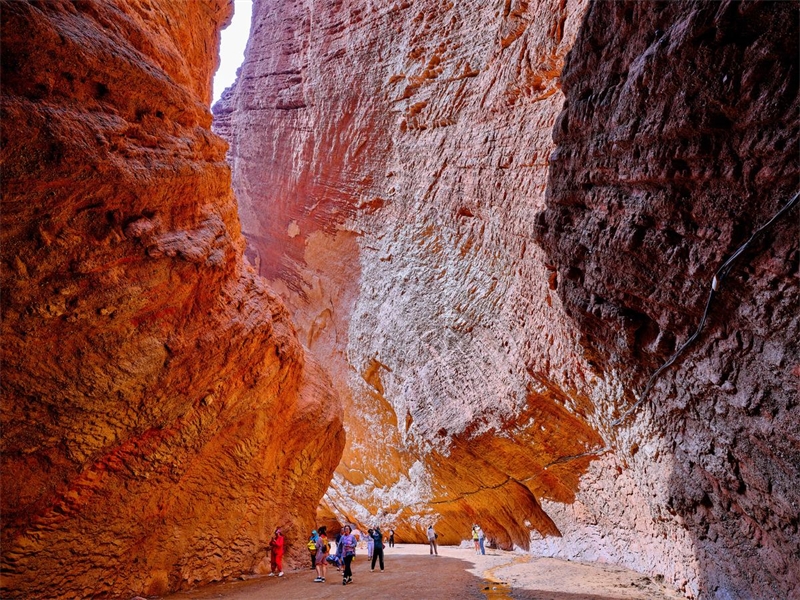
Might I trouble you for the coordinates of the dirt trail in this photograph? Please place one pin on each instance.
(411, 573)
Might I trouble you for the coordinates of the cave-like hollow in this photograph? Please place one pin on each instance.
(418, 266)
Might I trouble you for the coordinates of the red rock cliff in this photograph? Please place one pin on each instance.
(390, 161)
(159, 415)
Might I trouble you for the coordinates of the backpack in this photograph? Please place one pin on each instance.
(312, 545)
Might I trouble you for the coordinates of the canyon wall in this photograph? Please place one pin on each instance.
(390, 160)
(679, 140)
(160, 417)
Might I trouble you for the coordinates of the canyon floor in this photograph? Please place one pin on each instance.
(456, 573)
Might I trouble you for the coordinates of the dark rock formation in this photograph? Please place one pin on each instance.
(159, 415)
(679, 139)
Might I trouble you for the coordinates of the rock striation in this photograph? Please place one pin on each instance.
(390, 161)
(160, 416)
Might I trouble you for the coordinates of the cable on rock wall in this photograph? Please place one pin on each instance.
(715, 285)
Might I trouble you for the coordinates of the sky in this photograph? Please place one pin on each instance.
(231, 50)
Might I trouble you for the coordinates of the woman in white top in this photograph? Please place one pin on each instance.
(432, 535)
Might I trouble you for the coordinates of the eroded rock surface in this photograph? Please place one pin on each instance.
(390, 160)
(678, 140)
(159, 415)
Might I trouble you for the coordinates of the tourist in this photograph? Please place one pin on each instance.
(481, 537)
(322, 554)
(339, 551)
(349, 544)
(391, 538)
(377, 551)
(370, 543)
(335, 560)
(432, 535)
(276, 554)
(475, 542)
(312, 548)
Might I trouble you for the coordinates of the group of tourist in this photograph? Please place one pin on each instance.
(320, 551)
(478, 539)
(346, 543)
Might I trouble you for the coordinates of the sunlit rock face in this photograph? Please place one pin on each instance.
(678, 140)
(159, 415)
(390, 160)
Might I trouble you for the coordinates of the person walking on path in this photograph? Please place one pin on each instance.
(276, 554)
(377, 551)
(481, 539)
(391, 538)
(322, 555)
(348, 542)
(475, 538)
(432, 535)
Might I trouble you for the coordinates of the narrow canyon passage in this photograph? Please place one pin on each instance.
(417, 266)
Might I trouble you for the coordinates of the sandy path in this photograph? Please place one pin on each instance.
(411, 573)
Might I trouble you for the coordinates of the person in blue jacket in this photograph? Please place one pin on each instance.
(377, 550)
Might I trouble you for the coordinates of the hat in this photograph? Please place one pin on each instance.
(313, 531)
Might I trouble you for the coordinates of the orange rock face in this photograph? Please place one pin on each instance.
(159, 415)
(390, 161)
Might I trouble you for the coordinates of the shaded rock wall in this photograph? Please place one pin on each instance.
(159, 415)
(390, 160)
(678, 140)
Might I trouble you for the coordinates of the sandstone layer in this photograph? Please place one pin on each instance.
(159, 415)
(390, 159)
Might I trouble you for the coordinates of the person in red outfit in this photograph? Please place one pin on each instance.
(276, 554)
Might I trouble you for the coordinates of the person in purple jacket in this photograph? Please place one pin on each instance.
(348, 542)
